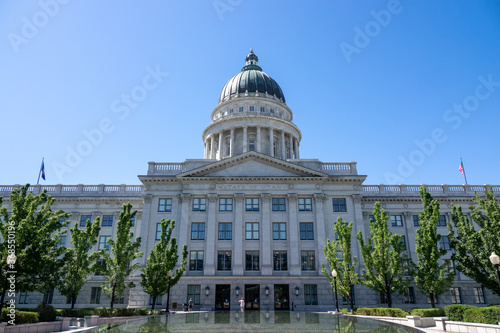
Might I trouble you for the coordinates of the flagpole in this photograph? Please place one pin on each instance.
(465, 176)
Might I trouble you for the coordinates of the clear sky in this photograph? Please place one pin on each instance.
(405, 88)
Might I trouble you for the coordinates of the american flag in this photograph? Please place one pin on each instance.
(461, 168)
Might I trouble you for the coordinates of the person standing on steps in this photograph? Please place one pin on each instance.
(242, 304)
(190, 305)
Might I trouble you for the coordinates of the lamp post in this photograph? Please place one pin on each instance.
(169, 274)
(11, 261)
(334, 275)
(495, 260)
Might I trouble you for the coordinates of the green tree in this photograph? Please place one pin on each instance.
(162, 259)
(431, 278)
(119, 258)
(32, 231)
(384, 257)
(345, 266)
(473, 244)
(77, 261)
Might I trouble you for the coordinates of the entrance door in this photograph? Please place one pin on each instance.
(252, 296)
(222, 296)
(281, 297)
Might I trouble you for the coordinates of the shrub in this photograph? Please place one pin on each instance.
(385, 312)
(22, 317)
(437, 312)
(79, 313)
(46, 312)
(107, 312)
(456, 312)
(489, 315)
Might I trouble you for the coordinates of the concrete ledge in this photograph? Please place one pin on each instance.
(457, 326)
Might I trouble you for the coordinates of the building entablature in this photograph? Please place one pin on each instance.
(261, 106)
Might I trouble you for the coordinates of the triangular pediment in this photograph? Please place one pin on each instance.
(252, 164)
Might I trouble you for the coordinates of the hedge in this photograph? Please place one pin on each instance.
(384, 312)
(456, 312)
(79, 313)
(488, 315)
(107, 312)
(22, 317)
(435, 312)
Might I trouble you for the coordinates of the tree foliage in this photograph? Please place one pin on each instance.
(474, 239)
(431, 278)
(384, 256)
(162, 259)
(35, 230)
(123, 250)
(346, 265)
(77, 260)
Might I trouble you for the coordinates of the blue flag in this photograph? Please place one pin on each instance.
(42, 172)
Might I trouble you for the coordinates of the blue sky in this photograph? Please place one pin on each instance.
(405, 88)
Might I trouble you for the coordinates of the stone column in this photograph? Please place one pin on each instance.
(220, 145)
(294, 246)
(297, 155)
(321, 231)
(184, 201)
(231, 143)
(290, 145)
(144, 226)
(210, 232)
(245, 140)
(283, 149)
(271, 142)
(212, 147)
(238, 234)
(258, 140)
(204, 149)
(266, 231)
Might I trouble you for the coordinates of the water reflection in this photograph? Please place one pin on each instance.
(265, 321)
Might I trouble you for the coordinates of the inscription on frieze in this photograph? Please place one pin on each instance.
(251, 187)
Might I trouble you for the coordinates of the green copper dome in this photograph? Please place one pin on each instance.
(251, 79)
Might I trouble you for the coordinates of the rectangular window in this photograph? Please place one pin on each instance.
(279, 231)
(83, 220)
(450, 265)
(383, 299)
(199, 204)
(62, 242)
(133, 220)
(197, 231)
(225, 205)
(165, 205)
(223, 260)
(107, 220)
(311, 294)
(416, 220)
(225, 231)
(441, 221)
(252, 108)
(262, 109)
(252, 260)
(194, 293)
(252, 204)
(371, 217)
(271, 111)
(103, 242)
(231, 110)
(101, 263)
(47, 297)
(158, 231)
(455, 295)
(196, 261)
(68, 300)
(306, 231)
(23, 297)
(479, 295)
(339, 205)
(403, 241)
(95, 295)
(279, 205)
(159, 300)
(240, 109)
(252, 231)
(397, 220)
(280, 261)
(444, 242)
(305, 204)
(409, 296)
(120, 300)
(308, 262)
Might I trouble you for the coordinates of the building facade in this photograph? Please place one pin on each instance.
(255, 216)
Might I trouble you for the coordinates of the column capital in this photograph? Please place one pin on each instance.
(238, 197)
(320, 197)
(147, 198)
(265, 197)
(212, 197)
(184, 197)
(356, 198)
(292, 197)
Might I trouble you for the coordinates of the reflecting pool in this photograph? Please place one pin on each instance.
(254, 321)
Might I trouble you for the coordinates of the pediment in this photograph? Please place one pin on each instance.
(252, 164)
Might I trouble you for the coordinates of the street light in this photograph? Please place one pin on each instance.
(207, 290)
(334, 275)
(297, 291)
(169, 274)
(11, 261)
(495, 260)
(237, 289)
(266, 290)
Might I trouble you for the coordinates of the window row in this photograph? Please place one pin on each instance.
(455, 293)
(225, 231)
(251, 205)
(252, 260)
(107, 220)
(397, 220)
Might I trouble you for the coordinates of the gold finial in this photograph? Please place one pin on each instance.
(251, 50)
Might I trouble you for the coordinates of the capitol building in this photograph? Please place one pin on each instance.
(254, 215)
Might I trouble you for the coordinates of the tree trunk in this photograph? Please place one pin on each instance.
(113, 296)
(431, 297)
(154, 302)
(73, 301)
(389, 298)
